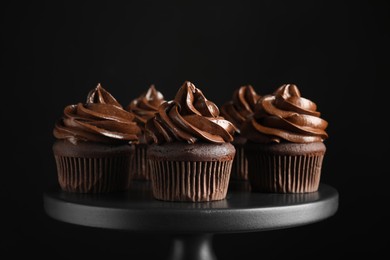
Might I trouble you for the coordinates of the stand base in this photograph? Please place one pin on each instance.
(191, 225)
(192, 247)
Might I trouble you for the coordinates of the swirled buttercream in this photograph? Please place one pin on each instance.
(189, 117)
(145, 106)
(240, 106)
(285, 116)
(100, 119)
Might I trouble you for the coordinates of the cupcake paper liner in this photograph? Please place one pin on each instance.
(285, 173)
(93, 175)
(139, 167)
(240, 164)
(194, 181)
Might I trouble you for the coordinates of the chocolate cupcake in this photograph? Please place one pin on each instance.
(94, 144)
(143, 107)
(285, 148)
(191, 155)
(236, 110)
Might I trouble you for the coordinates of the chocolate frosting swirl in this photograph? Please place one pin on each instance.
(241, 106)
(285, 116)
(146, 105)
(190, 117)
(100, 119)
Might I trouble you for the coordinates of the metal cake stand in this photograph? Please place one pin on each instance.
(192, 225)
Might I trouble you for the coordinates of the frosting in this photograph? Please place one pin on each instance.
(100, 119)
(145, 106)
(190, 117)
(285, 116)
(241, 106)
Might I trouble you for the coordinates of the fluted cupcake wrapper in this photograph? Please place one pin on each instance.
(194, 181)
(93, 175)
(284, 173)
(240, 164)
(139, 166)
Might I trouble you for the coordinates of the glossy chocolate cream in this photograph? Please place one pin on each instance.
(241, 105)
(285, 116)
(190, 118)
(100, 119)
(146, 105)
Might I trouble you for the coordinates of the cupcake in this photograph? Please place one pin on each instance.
(285, 146)
(143, 107)
(236, 111)
(191, 154)
(94, 144)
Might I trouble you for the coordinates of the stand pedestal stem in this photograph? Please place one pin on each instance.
(192, 247)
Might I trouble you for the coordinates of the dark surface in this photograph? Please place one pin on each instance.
(137, 210)
(337, 53)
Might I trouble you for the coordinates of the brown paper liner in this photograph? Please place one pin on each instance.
(284, 173)
(193, 181)
(240, 164)
(93, 175)
(139, 166)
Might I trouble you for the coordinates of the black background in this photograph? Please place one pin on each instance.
(336, 53)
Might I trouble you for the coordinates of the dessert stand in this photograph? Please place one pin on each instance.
(191, 225)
